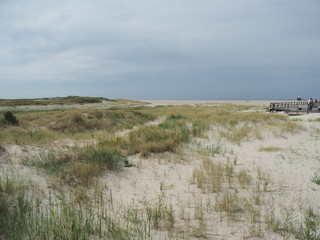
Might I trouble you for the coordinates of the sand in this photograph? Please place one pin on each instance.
(150, 103)
(286, 173)
(208, 102)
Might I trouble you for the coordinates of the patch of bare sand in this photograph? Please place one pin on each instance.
(286, 178)
(12, 165)
(153, 103)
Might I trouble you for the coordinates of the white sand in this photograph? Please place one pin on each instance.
(208, 102)
(287, 172)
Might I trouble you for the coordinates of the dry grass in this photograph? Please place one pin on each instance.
(215, 177)
(236, 135)
(165, 137)
(230, 203)
(146, 140)
(244, 178)
(45, 127)
(211, 177)
(16, 135)
(232, 122)
(110, 120)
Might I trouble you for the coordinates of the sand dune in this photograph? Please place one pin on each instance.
(281, 167)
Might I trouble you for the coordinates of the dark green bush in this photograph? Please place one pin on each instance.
(10, 118)
(2, 150)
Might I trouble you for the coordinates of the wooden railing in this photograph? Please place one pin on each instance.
(293, 106)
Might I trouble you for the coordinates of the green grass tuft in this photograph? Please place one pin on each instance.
(316, 179)
(79, 167)
(269, 149)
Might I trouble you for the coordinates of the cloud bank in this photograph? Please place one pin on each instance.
(177, 49)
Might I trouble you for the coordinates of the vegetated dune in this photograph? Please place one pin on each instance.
(164, 172)
(70, 102)
(53, 101)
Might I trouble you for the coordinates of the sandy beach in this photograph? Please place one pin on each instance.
(279, 168)
(150, 103)
(208, 102)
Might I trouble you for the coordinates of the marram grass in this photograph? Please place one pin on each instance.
(78, 167)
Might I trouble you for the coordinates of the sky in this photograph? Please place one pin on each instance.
(160, 49)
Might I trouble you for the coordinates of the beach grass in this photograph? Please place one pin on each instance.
(234, 123)
(165, 137)
(46, 127)
(77, 167)
(269, 149)
(316, 179)
(23, 216)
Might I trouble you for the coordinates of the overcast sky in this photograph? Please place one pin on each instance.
(160, 49)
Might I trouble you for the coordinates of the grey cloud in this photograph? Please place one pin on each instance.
(204, 46)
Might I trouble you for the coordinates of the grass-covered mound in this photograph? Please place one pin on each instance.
(70, 100)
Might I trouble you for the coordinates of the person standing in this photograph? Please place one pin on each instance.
(310, 104)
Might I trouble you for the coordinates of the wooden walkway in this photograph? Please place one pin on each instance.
(294, 106)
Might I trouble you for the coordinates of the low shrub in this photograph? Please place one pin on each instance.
(10, 119)
(2, 150)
